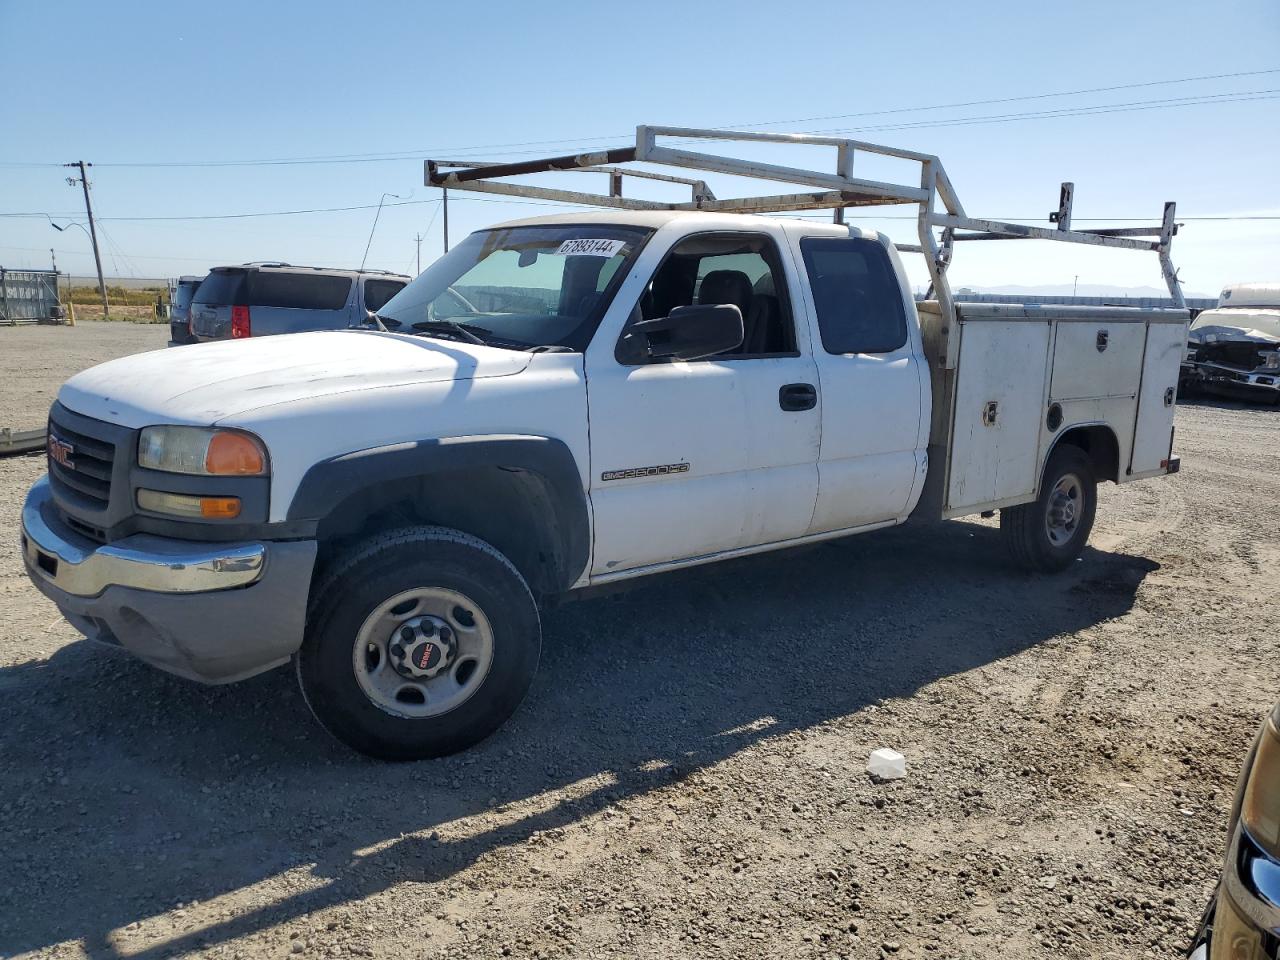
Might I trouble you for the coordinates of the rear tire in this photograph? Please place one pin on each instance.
(1050, 533)
(420, 642)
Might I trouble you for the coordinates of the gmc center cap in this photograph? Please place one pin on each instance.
(424, 649)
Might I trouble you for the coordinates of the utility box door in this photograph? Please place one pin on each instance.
(999, 408)
(1153, 435)
(1093, 359)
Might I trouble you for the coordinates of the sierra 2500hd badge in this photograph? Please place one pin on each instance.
(661, 470)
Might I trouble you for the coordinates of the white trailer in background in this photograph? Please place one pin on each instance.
(29, 296)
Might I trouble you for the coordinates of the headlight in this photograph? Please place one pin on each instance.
(205, 451)
(1260, 808)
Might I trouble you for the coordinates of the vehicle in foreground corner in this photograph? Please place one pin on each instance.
(570, 401)
(1242, 920)
(263, 299)
(180, 311)
(1234, 348)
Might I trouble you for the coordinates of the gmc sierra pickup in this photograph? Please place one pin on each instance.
(557, 403)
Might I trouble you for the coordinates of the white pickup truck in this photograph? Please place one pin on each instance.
(570, 401)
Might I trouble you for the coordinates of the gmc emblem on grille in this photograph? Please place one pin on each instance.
(60, 452)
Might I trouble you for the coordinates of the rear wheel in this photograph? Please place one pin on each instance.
(421, 642)
(1051, 532)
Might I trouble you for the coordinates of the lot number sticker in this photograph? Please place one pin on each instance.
(590, 248)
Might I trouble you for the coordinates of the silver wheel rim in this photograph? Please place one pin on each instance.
(416, 681)
(1066, 504)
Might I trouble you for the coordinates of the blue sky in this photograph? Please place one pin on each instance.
(156, 83)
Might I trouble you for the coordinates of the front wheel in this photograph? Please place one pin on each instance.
(1049, 533)
(420, 643)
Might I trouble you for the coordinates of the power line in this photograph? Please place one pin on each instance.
(1025, 97)
(400, 155)
(290, 213)
(1081, 111)
(1133, 106)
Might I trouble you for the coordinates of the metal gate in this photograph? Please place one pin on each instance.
(29, 296)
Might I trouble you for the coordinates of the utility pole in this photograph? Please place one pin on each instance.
(445, 192)
(93, 231)
(1075, 283)
(417, 238)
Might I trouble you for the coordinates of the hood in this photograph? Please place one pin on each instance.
(205, 383)
(1259, 324)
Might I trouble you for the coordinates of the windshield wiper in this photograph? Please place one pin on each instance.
(464, 330)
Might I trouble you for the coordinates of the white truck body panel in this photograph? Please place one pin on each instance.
(1027, 360)
(1083, 371)
(997, 458)
(1153, 432)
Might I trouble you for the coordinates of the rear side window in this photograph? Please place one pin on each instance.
(302, 291)
(856, 293)
(378, 292)
(222, 287)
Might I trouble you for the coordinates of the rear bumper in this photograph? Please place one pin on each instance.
(206, 611)
(180, 333)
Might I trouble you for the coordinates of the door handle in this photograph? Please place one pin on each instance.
(797, 396)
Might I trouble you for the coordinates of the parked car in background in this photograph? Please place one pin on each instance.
(260, 299)
(1234, 348)
(180, 310)
(1243, 915)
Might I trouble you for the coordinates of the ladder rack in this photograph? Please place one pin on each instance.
(835, 190)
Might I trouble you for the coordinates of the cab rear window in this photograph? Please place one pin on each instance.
(859, 301)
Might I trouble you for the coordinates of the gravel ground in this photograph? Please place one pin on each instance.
(35, 359)
(687, 776)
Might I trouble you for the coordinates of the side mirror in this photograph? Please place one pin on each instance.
(693, 332)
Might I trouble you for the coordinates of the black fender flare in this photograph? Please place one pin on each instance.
(329, 483)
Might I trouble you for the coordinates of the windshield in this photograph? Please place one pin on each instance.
(521, 286)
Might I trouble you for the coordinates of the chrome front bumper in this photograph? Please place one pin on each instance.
(210, 612)
(82, 568)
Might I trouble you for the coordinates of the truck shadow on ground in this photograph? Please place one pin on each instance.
(149, 791)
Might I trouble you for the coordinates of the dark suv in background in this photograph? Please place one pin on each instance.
(180, 310)
(259, 299)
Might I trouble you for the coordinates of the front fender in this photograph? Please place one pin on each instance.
(329, 483)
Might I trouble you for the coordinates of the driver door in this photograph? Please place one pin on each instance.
(695, 458)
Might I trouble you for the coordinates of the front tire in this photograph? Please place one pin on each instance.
(420, 642)
(1050, 533)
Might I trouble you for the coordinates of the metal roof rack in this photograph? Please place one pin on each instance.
(836, 190)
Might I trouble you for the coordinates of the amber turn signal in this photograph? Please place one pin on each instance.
(233, 455)
(182, 505)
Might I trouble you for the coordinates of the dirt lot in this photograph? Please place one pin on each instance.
(35, 359)
(686, 778)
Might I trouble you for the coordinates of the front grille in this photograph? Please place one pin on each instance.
(91, 462)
